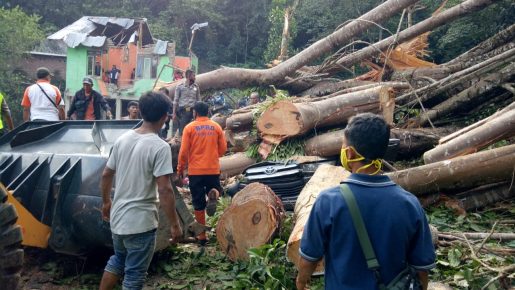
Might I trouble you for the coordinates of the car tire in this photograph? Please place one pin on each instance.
(11, 253)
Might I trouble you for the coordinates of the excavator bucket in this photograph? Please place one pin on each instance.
(52, 171)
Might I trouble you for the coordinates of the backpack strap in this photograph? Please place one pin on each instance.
(51, 101)
(361, 231)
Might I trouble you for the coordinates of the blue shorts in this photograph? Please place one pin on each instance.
(132, 256)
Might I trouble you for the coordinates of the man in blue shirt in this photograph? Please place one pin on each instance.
(395, 221)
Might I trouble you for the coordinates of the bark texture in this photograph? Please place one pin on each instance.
(240, 78)
(429, 24)
(468, 96)
(286, 119)
(234, 164)
(413, 143)
(492, 131)
(486, 167)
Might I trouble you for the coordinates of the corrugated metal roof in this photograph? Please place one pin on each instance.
(160, 47)
(92, 31)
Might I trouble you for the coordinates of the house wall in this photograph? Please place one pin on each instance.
(125, 60)
(56, 64)
(143, 85)
(76, 68)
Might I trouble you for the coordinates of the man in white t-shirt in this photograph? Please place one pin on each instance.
(42, 101)
(142, 163)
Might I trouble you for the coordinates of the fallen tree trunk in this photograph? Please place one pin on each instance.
(499, 39)
(449, 137)
(240, 122)
(497, 129)
(325, 176)
(240, 78)
(429, 24)
(463, 76)
(467, 96)
(252, 219)
(286, 119)
(472, 199)
(234, 164)
(330, 87)
(485, 195)
(486, 167)
(413, 143)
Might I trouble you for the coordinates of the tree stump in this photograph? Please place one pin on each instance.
(253, 218)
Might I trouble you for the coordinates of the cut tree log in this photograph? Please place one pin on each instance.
(466, 97)
(486, 167)
(325, 176)
(227, 77)
(253, 218)
(240, 122)
(449, 137)
(285, 119)
(413, 143)
(234, 164)
(429, 24)
(496, 129)
(240, 141)
(220, 119)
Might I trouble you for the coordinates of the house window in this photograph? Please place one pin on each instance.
(94, 67)
(146, 66)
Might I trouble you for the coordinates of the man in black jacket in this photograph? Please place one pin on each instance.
(87, 104)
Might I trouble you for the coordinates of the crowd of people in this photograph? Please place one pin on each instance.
(370, 232)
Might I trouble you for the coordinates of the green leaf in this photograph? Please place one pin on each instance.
(454, 256)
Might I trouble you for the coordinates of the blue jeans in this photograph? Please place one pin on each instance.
(132, 256)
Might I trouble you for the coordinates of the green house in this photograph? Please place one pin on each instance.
(96, 44)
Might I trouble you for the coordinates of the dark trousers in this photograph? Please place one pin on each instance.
(184, 117)
(200, 185)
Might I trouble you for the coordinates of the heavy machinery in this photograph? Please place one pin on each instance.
(51, 172)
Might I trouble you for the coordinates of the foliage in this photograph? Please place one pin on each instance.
(276, 18)
(455, 38)
(456, 264)
(19, 32)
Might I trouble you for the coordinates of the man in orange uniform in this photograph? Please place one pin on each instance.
(203, 142)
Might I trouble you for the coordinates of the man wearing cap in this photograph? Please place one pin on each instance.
(42, 101)
(87, 104)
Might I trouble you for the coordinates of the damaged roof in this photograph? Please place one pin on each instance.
(93, 31)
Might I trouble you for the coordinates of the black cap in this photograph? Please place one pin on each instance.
(87, 80)
(43, 72)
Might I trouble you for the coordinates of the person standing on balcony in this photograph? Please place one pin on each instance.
(114, 75)
(186, 95)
